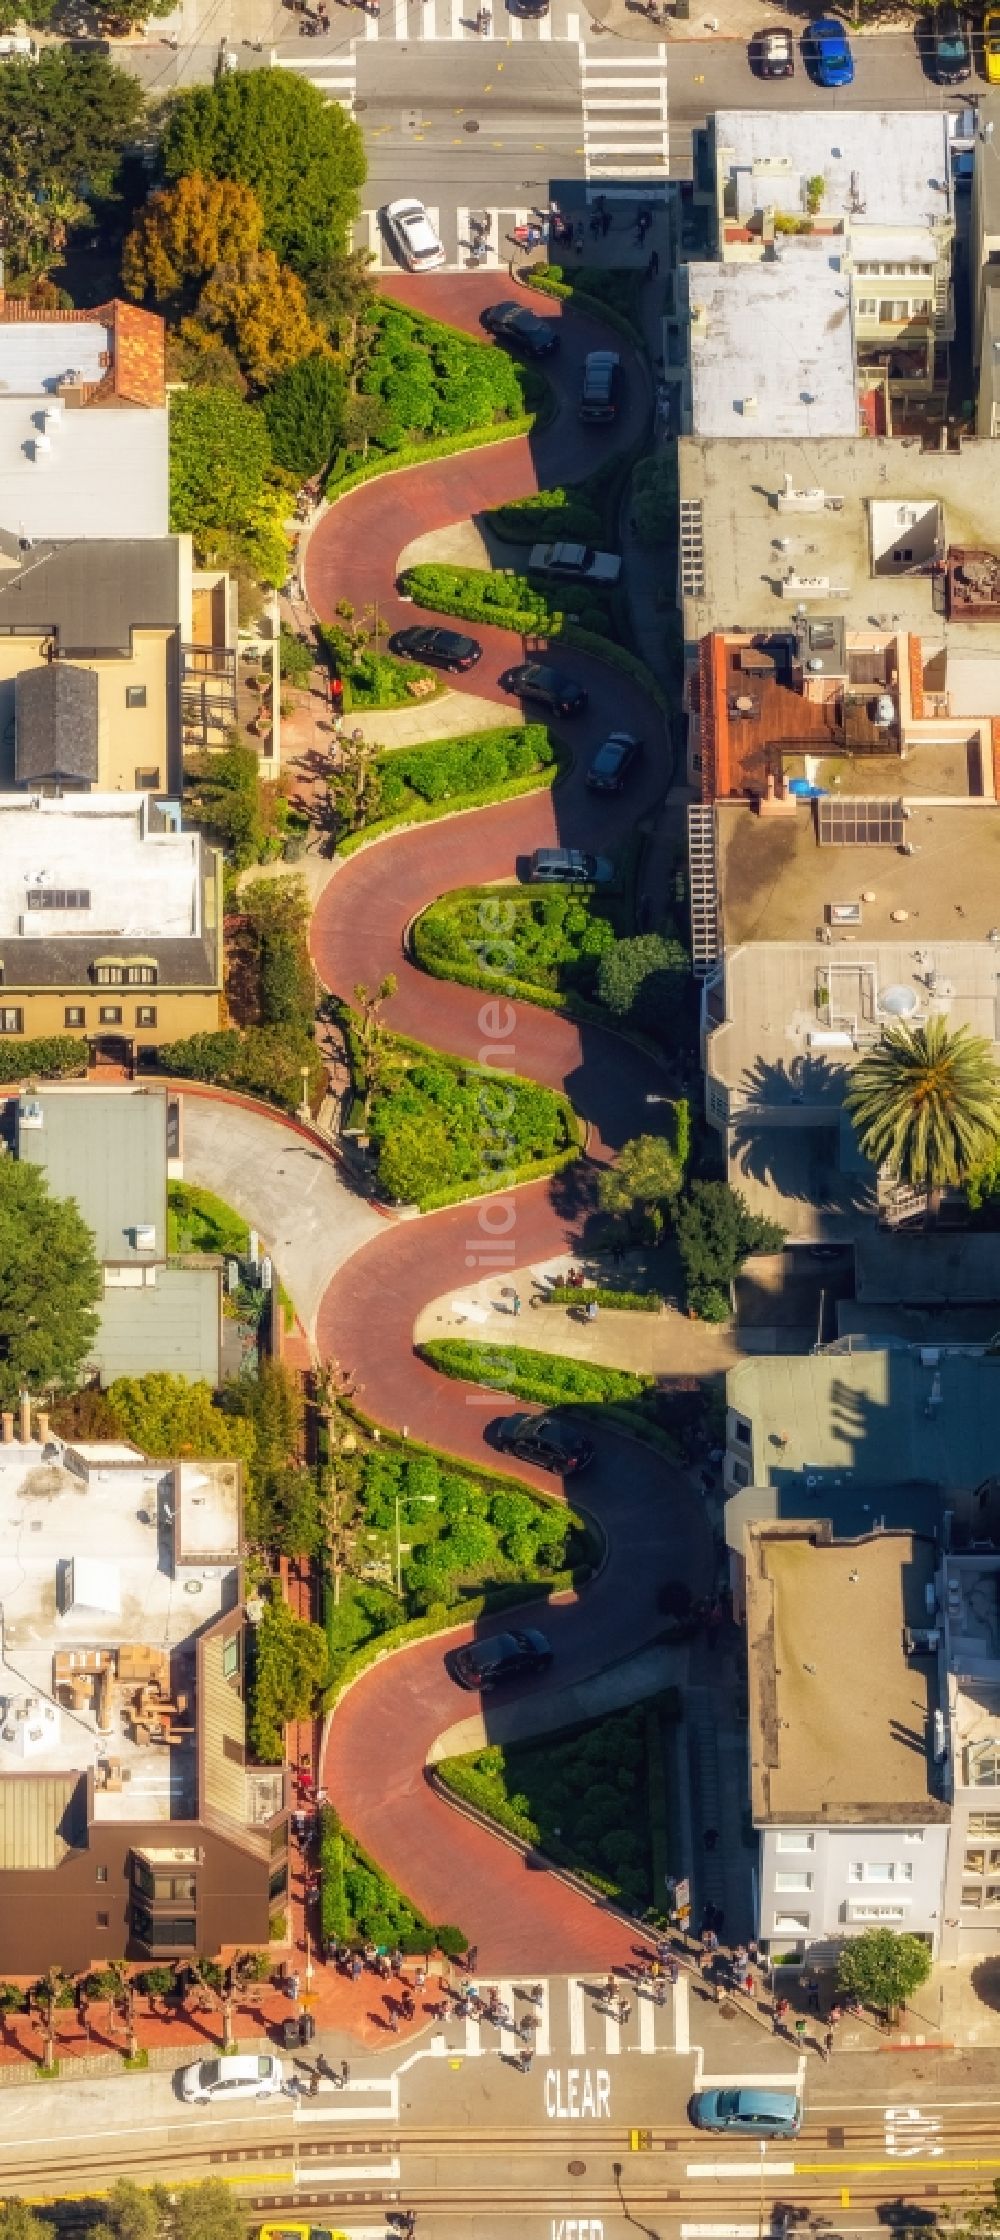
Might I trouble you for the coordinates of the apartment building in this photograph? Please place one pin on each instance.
(848, 1790)
(110, 922)
(865, 198)
(83, 423)
(107, 1148)
(130, 1820)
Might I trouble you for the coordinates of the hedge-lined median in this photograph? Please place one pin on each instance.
(509, 601)
(585, 1294)
(548, 1378)
(413, 785)
(418, 380)
(582, 512)
(610, 295)
(419, 454)
(360, 1905)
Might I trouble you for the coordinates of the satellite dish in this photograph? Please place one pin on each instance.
(898, 1002)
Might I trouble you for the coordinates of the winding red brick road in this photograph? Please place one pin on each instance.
(520, 1916)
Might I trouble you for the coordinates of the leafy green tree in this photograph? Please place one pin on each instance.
(65, 121)
(303, 157)
(50, 1283)
(304, 411)
(168, 1417)
(18, 2222)
(207, 2211)
(883, 1967)
(272, 1404)
(926, 1103)
(297, 656)
(643, 979)
(222, 793)
(288, 1668)
(645, 1178)
(220, 455)
(287, 989)
(260, 308)
(716, 1232)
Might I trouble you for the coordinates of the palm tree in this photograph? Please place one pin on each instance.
(926, 1103)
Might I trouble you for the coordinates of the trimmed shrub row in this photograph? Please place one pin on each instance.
(417, 454)
(547, 1378)
(509, 601)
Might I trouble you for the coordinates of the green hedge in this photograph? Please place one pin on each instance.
(418, 454)
(359, 1904)
(372, 679)
(581, 512)
(631, 1302)
(426, 812)
(261, 1061)
(50, 1056)
(550, 1379)
(507, 600)
(548, 279)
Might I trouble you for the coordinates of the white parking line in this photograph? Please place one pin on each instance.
(741, 2169)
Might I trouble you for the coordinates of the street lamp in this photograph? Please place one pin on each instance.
(616, 2172)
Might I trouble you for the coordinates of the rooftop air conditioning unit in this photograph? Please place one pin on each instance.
(30, 1114)
(922, 1641)
(144, 1236)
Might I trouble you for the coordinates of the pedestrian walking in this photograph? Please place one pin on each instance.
(292, 1985)
(392, 2021)
(812, 1994)
(748, 1984)
(624, 2011)
(472, 1958)
(611, 1988)
(314, 2083)
(595, 225)
(396, 1960)
(826, 2047)
(419, 1978)
(606, 224)
(740, 1959)
(801, 2026)
(357, 1967)
(527, 2057)
(536, 1993)
(654, 264)
(515, 1304)
(673, 1970)
(593, 1310)
(835, 2014)
(407, 2007)
(780, 2012)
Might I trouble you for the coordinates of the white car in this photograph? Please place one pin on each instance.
(234, 2076)
(413, 236)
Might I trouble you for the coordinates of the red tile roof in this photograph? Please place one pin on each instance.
(136, 348)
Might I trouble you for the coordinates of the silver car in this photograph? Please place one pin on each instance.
(233, 2076)
(413, 237)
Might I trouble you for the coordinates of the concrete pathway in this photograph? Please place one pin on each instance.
(663, 1345)
(305, 1211)
(420, 721)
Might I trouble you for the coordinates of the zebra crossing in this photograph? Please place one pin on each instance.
(573, 2017)
(489, 237)
(625, 124)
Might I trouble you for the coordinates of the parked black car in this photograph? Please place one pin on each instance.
(443, 649)
(534, 680)
(483, 1664)
(948, 50)
(772, 54)
(548, 1440)
(600, 389)
(515, 323)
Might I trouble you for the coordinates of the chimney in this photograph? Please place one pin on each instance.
(6, 1427)
(24, 1432)
(43, 1427)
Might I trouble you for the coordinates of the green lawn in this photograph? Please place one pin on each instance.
(198, 1221)
(442, 1131)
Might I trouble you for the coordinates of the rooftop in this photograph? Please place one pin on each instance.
(110, 1567)
(772, 350)
(877, 1417)
(839, 1713)
(879, 167)
(107, 1148)
(83, 471)
(915, 1269)
(112, 355)
(779, 882)
(812, 704)
(89, 867)
(849, 528)
(173, 1324)
(91, 595)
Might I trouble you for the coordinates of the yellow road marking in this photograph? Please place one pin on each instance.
(898, 2162)
(845, 2197)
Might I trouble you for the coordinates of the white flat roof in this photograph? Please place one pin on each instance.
(896, 165)
(139, 883)
(105, 474)
(779, 332)
(36, 354)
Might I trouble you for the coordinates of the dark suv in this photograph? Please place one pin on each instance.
(547, 1440)
(534, 680)
(505, 1656)
(948, 52)
(602, 380)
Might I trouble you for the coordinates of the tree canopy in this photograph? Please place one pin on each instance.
(168, 1416)
(646, 1174)
(643, 978)
(926, 1103)
(304, 411)
(259, 308)
(883, 1967)
(220, 457)
(303, 157)
(64, 121)
(186, 231)
(716, 1232)
(49, 1285)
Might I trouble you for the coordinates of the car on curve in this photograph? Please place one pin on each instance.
(233, 2076)
(548, 1440)
(506, 1656)
(525, 329)
(443, 649)
(749, 2110)
(535, 680)
(826, 50)
(569, 867)
(613, 761)
(574, 563)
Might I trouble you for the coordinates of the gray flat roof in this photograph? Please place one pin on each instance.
(173, 1324)
(736, 484)
(108, 1150)
(106, 470)
(37, 354)
(91, 594)
(948, 1269)
(778, 333)
(777, 882)
(877, 1416)
(839, 1714)
(893, 162)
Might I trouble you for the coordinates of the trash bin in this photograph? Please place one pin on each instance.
(307, 2029)
(291, 2032)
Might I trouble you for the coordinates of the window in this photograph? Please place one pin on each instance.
(231, 1657)
(793, 1878)
(902, 553)
(102, 1874)
(110, 1014)
(145, 1014)
(109, 975)
(59, 898)
(742, 1432)
(891, 310)
(140, 975)
(146, 781)
(11, 1019)
(984, 1764)
(278, 1882)
(135, 696)
(795, 1839)
(972, 1895)
(790, 1924)
(104, 1920)
(868, 307)
(913, 1835)
(164, 1932)
(992, 1894)
(74, 1015)
(984, 1823)
(880, 1870)
(739, 1473)
(975, 1862)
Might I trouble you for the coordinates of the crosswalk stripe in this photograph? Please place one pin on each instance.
(647, 2026)
(612, 2033)
(543, 2036)
(577, 2017)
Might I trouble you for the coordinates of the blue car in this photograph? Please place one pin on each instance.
(827, 51)
(755, 2114)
